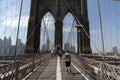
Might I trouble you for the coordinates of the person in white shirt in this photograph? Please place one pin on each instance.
(67, 61)
(52, 54)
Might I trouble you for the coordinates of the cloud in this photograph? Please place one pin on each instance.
(96, 32)
(66, 29)
(69, 29)
(13, 22)
(48, 22)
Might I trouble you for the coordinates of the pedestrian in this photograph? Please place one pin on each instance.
(52, 54)
(59, 53)
(68, 61)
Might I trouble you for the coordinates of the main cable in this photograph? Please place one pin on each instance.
(16, 43)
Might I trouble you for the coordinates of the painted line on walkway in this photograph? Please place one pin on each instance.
(58, 71)
(79, 71)
(30, 73)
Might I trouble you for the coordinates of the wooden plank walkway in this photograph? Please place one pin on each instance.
(49, 72)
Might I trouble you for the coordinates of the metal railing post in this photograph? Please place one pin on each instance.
(101, 75)
(33, 61)
(16, 70)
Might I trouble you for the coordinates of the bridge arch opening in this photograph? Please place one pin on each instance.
(69, 33)
(47, 32)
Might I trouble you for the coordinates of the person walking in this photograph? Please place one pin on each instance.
(68, 61)
(59, 53)
(52, 54)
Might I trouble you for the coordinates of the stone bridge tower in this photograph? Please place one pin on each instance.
(58, 8)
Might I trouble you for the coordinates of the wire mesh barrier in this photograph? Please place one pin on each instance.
(22, 66)
(99, 69)
(114, 60)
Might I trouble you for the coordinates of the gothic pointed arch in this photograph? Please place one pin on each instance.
(47, 32)
(43, 12)
(69, 31)
(58, 8)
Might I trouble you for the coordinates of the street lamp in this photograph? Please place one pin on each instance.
(79, 40)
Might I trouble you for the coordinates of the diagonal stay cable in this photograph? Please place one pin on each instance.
(83, 27)
(71, 30)
(5, 19)
(46, 28)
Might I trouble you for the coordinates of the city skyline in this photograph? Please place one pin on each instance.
(6, 47)
(110, 21)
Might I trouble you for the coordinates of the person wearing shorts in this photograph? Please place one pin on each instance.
(67, 61)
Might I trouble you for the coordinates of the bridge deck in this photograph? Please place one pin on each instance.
(50, 71)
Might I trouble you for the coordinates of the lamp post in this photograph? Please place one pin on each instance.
(79, 38)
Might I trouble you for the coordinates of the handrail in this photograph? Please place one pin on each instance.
(100, 69)
(22, 68)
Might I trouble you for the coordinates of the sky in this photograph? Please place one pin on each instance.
(110, 12)
(9, 15)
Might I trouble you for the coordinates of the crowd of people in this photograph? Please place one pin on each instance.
(55, 53)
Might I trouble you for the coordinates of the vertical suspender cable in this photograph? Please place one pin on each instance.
(0, 7)
(18, 30)
(26, 10)
(110, 30)
(5, 26)
(117, 29)
(105, 27)
(82, 26)
(0, 15)
(117, 32)
(101, 28)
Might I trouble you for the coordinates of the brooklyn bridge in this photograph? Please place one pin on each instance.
(35, 35)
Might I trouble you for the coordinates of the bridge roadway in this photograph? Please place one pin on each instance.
(55, 70)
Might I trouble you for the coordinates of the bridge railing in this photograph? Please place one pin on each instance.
(114, 60)
(99, 69)
(18, 70)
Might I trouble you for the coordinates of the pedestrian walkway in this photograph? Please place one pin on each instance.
(71, 75)
(56, 70)
(50, 71)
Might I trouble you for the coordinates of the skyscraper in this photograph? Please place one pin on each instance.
(67, 46)
(115, 51)
(20, 47)
(0, 45)
(73, 48)
(43, 49)
(48, 44)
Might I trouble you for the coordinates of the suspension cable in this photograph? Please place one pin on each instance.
(117, 31)
(5, 19)
(35, 27)
(23, 32)
(5, 27)
(80, 23)
(2, 9)
(74, 37)
(105, 31)
(110, 32)
(101, 27)
(9, 14)
(46, 29)
(16, 43)
(83, 27)
(69, 39)
(70, 31)
(44, 39)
